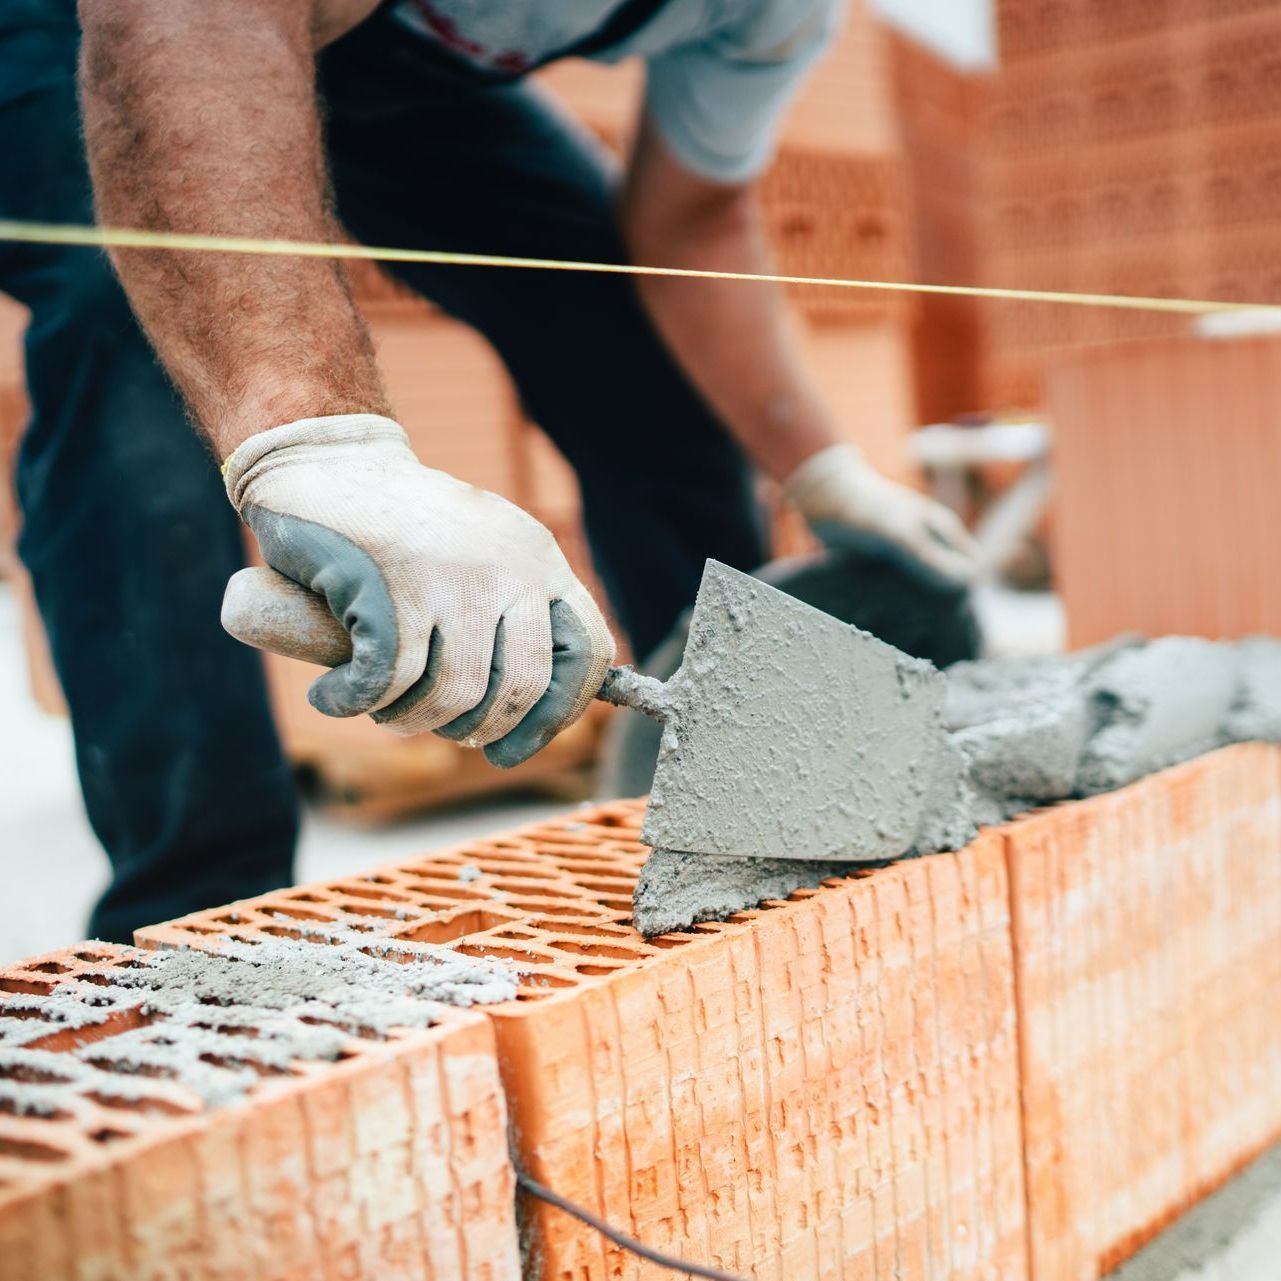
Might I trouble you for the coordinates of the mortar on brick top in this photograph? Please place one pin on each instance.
(552, 901)
(213, 1022)
(1051, 728)
(1021, 733)
(386, 1158)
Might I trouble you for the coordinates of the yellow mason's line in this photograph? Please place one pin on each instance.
(47, 233)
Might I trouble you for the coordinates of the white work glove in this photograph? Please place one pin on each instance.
(464, 616)
(837, 486)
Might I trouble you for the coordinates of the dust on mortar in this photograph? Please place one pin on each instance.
(217, 1022)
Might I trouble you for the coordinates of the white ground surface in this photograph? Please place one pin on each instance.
(51, 870)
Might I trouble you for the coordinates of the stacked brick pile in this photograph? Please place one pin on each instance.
(1133, 149)
(1166, 458)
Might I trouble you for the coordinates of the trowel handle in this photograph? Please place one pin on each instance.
(265, 609)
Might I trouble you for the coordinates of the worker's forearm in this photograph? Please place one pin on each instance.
(734, 338)
(202, 117)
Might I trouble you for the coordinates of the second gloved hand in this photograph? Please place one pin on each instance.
(464, 616)
(839, 486)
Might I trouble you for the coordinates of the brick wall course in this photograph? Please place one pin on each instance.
(1145, 925)
(796, 1089)
(1017, 1061)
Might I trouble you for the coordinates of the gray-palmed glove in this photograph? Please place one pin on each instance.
(838, 486)
(464, 616)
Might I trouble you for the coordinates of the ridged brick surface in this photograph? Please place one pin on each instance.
(389, 1163)
(819, 1088)
(1166, 455)
(1146, 934)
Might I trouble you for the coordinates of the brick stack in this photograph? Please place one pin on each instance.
(391, 1162)
(1166, 458)
(1146, 927)
(1133, 149)
(941, 111)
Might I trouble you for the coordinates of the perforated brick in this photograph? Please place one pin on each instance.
(1146, 928)
(389, 1162)
(815, 1087)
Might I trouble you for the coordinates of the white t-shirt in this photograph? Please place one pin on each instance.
(719, 72)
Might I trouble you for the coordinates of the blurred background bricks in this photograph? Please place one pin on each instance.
(1166, 519)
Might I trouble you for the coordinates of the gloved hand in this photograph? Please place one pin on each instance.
(838, 485)
(464, 616)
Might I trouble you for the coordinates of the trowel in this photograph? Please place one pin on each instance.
(787, 733)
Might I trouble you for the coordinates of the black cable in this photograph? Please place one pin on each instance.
(536, 1189)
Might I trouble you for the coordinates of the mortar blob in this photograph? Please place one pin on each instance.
(1018, 733)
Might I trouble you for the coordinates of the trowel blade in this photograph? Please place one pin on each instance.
(793, 735)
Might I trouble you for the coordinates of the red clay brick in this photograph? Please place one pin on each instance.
(813, 1084)
(1161, 525)
(1145, 926)
(390, 1163)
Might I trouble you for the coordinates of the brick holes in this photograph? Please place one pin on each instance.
(473, 921)
(29, 1150)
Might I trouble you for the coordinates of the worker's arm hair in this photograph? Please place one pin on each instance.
(734, 339)
(202, 117)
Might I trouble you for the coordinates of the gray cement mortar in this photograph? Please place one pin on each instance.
(1154, 705)
(1011, 735)
(755, 744)
(220, 1020)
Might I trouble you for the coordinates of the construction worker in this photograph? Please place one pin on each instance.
(405, 123)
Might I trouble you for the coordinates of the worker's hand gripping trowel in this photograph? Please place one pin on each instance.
(787, 733)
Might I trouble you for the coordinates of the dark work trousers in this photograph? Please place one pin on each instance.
(129, 539)
(127, 533)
